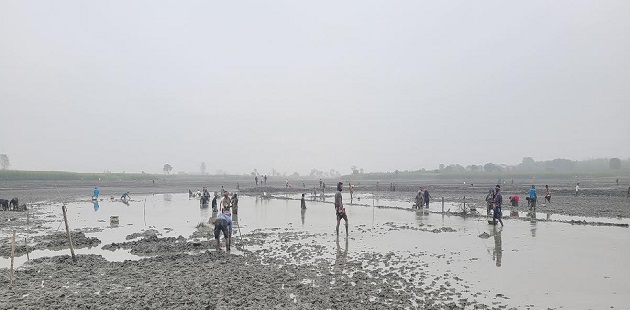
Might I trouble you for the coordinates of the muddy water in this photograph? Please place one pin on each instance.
(539, 263)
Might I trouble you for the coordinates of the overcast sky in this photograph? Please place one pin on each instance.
(294, 85)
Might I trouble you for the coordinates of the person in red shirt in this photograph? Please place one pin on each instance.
(514, 200)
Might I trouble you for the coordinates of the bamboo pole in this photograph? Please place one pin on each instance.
(65, 219)
(12, 257)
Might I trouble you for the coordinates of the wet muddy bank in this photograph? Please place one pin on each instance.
(216, 280)
(58, 240)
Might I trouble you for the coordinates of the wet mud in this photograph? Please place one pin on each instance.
(284, 257)
(53, 241)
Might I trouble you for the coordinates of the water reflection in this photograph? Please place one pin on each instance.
(342, 255)
(96, 205)
(497, 252)
(533, 222)
(302, 214)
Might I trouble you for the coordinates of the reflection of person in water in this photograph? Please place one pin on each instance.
(341, 257)
(533, 222)
(497, 253)
(302, 214)
(95, 205)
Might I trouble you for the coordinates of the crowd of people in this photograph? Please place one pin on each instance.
(228, 204)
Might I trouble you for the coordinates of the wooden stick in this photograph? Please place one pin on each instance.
(12, 256)
(65, 218)
(26, 245)
(144, 212)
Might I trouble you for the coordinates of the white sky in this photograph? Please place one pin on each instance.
(296, 85)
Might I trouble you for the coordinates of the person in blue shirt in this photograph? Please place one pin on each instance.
(498, 202)
(96, 193)
(532, 197)
(223, 223)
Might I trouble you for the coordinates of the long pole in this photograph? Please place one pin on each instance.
(442, 204)
(12, 257)
(65, 219)
(144, 212)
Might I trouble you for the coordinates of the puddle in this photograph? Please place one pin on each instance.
(541, 263)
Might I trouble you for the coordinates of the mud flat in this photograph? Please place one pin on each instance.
(160, 254)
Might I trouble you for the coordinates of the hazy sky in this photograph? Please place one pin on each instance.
(296, 85)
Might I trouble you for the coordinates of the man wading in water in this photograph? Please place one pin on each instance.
(339, 209)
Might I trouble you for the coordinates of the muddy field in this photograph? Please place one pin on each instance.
(161, 253)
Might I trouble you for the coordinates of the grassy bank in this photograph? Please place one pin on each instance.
(20, 175)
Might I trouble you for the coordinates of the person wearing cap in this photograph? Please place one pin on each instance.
(339, 209)
(223, 223)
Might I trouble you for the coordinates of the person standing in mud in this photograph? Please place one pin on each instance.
(214, 202)
(419, 201)
(489, 201)
(498, 203)
(226, 203)
(547, 193)
(96, 193)
(426, 197)
(339, 209)
(303, 202)
(577, 188)
(256, 180)
(532, 197)
(265, 178)
(223, 223)
(351, 189)
(235, 204)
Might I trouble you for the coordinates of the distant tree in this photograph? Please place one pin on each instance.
(441, 167)
(361, 171)
(203, 167)
(396, 172)
(354, 170)
(167, 168)
(615, 163)
(454, 168)
(295, 175)
(4, 162)
(490, 167)
(472, 168)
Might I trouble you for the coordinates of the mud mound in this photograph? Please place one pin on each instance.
(53, 241)
(153, 245)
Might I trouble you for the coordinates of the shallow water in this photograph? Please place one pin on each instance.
(540, 263)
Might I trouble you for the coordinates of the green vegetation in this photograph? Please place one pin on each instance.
(64, 175)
